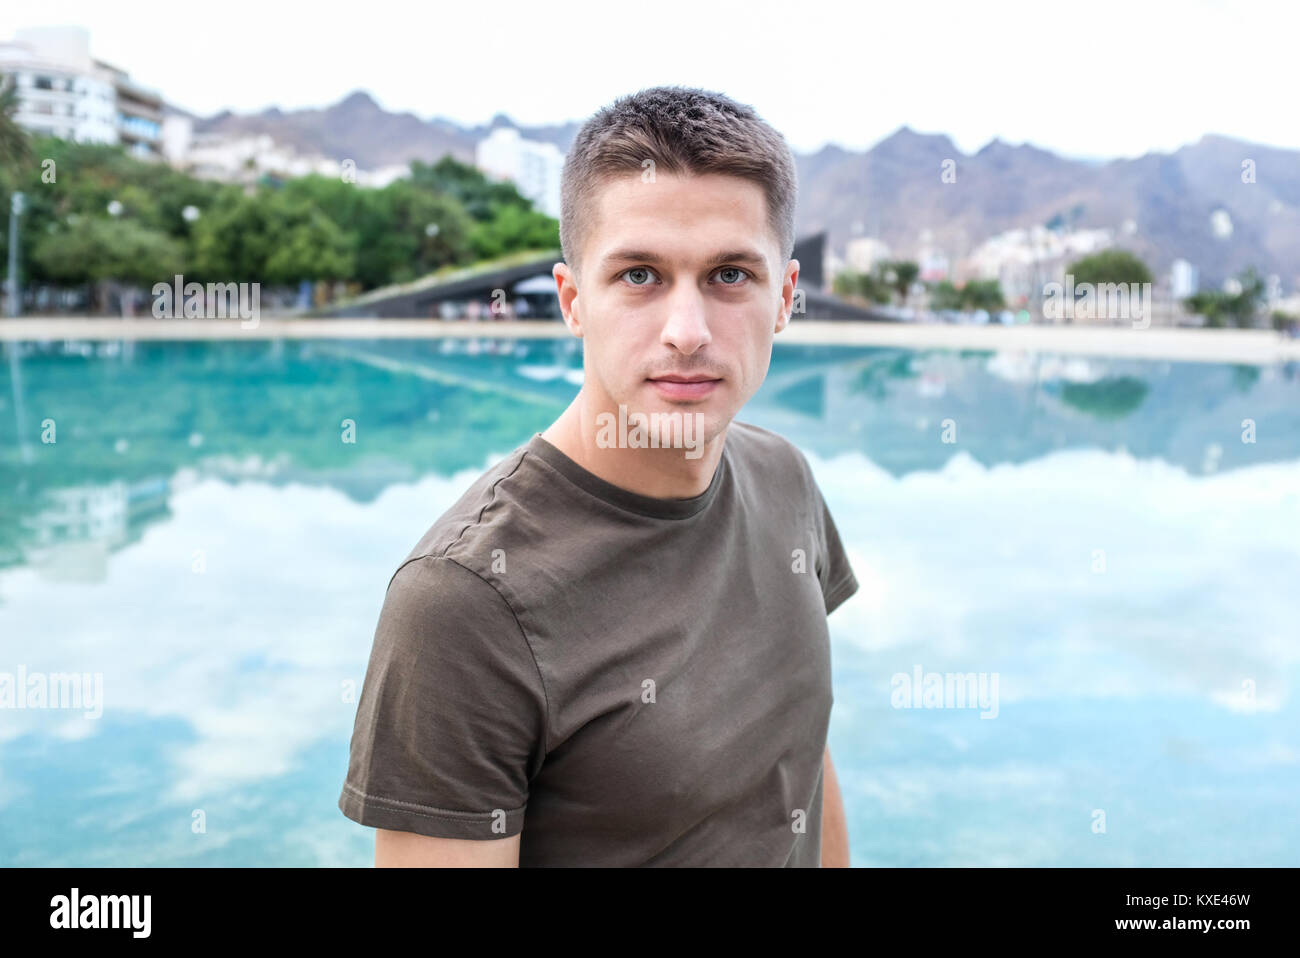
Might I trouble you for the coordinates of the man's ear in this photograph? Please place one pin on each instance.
(789, 286)
(566, 288)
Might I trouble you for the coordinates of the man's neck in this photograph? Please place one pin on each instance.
(664, 473)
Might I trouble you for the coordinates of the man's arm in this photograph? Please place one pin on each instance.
(409, 850)
(835, 830)
(446, 643)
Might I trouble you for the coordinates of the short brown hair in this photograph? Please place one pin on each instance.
(684, 130)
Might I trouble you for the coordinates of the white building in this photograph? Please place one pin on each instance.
(1024, 260)
(534, 167)
(177, 136)
(1183, 279)
(64, 92)
(932, 264)
(246, 158)
(863, 253)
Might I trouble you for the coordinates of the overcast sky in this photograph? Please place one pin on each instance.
(1099, 78)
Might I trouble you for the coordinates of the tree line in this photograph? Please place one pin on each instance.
(890, 281)
(93, 214)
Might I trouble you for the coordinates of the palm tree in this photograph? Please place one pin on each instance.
(15, 144)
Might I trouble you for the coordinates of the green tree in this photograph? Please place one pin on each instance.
(307, 244)
(422, 231)
(1109, 266)
(15, 144)
(944, 295)
(107, 249)
(868, 286)
(272, 236)
(899, 275)
(983, 294)
(232, 241)
(1221, 308)
(97, 252)
(445, 214)
(513, 229)
(76, 187)
(482, 197)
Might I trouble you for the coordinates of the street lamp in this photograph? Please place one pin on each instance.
(190, 213)
(15, 211)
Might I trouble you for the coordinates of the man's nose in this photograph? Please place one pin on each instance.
(687, 325)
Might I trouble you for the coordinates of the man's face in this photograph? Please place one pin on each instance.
(682, 291)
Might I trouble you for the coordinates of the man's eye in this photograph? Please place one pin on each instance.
(641, 276)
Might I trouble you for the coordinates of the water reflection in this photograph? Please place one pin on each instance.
(202, 536)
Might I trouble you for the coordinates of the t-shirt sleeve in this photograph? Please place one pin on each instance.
(451, 722)
(833, 569)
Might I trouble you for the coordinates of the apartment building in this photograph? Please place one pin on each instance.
(63, 91)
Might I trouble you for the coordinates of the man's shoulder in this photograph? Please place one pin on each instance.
(481, 509)
(762, 449)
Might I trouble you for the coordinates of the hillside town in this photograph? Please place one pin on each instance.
(922, 273)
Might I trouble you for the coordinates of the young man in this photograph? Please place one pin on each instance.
(613, 650)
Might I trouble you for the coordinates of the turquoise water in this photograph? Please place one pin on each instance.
(1097, 537)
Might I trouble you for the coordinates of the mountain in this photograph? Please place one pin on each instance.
(355, 128)
(360, 129)
(895, 190)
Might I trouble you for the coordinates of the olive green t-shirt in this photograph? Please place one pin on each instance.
(625, 679)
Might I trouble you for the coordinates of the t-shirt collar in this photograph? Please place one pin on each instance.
(651, 506)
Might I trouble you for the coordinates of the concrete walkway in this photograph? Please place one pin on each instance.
(1192, 345)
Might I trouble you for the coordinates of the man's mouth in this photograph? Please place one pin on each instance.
(683, 386)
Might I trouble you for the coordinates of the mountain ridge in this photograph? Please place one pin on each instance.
(1174, 200)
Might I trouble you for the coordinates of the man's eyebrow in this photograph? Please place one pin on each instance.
(747, 256)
